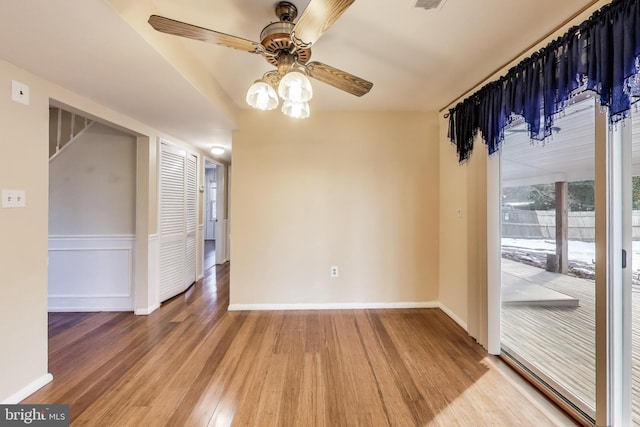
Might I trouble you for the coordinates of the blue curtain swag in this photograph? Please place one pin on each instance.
(601, 55)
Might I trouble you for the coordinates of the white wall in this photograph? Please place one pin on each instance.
(92, 185)
(356, 190)
(92, 192)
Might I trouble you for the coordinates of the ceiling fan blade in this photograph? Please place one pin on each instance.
(338, 78)
(182, 29)
(316, 19)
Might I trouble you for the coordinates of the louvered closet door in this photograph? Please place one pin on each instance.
(178, 201)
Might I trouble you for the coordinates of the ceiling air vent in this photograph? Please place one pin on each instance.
(429, 4)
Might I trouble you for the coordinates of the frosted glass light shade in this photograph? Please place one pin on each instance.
(295, 87)
(262, 96)
(297, 110)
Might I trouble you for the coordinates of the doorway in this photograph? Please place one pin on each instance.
(215, 216)
(92, 213)
(210, 213)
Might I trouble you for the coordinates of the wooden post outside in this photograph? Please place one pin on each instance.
(562, 226)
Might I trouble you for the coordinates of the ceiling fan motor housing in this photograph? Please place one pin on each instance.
(276, 39)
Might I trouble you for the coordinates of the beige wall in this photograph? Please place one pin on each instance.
(356, 190)
(24, 165)
(453, 249)
(463, 240)
(23, 241)
(92, 186)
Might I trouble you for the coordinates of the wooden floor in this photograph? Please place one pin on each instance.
(209, 254)
(192, 363)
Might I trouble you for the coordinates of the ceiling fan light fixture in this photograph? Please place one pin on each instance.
(217, 150)
(296, 110)
(295, 87)
(262, 96)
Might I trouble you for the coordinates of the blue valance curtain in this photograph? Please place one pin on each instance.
(602, 54)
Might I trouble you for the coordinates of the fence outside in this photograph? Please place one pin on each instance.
(529, 224)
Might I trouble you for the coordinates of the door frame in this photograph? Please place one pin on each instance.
(222, 217)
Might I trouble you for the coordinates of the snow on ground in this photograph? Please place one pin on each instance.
(582, 255)
(578, 251)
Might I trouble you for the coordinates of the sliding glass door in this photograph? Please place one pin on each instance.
(548, 236)
(630, 136)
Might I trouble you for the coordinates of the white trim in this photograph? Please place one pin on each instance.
(333, 306)
(85, 308)
(27, 391)
(453, 316)
(90, 296)
(74, 138)
(101, 237)
(153, 286)
(146, 311)
(494, 254)
(68, 255)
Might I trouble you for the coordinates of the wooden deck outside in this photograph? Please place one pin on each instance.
(560, 341)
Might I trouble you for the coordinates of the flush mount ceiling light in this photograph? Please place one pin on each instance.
(284, 45)
(217, 150)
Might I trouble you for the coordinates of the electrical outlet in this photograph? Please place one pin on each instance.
(20, 92)
(334, 271)
(13, 199)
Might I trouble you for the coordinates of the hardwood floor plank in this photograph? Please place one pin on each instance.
(411, 395)
(313, 393)
(193, 363)
(260, 348)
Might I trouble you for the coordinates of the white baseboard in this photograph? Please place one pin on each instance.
(332, 306)
(27, 391)
(146, 311)
(350, 306)
(453, 316)
(82, 303)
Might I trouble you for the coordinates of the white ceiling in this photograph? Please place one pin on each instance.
(417, 59)
(568, 155)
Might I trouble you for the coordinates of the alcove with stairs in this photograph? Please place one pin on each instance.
(92, 196)
(64, 128)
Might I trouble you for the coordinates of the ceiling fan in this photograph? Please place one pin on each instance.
(284, 44)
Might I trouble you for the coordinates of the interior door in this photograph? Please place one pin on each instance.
(178, 203)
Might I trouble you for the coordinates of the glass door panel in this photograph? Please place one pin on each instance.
(548, 254)
(633, 262)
